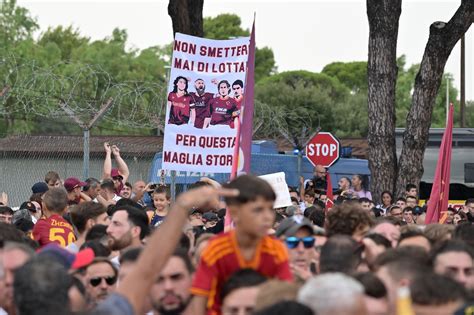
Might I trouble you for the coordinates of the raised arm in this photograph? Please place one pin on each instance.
(137, 284)
(107, 162)
(121, 165)
(139, 193)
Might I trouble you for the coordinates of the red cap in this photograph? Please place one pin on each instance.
(83, 258)
(115, 173)
(73, 182)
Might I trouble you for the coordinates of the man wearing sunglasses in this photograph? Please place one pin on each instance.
(299, 239)
(101, 279)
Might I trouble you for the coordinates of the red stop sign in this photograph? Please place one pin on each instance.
(323, 149)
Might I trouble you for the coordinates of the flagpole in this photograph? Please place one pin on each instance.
(235, 158)
(238, 123)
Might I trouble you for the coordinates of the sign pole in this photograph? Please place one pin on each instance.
(173, 186)
(300, 157)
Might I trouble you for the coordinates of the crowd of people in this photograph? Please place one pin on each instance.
(111, 247)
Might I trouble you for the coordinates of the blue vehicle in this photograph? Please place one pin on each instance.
(266, 160)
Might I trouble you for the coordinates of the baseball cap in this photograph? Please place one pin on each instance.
(290, 226)
(210, 216)
(66, 258)
(83, 258)
(28, 205)
(39, 187)
(73, 182)
(115, 173)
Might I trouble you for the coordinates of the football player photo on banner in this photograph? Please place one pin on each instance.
(205, 93)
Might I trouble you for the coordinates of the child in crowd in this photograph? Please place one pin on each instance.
(247, 246)
(161, 203)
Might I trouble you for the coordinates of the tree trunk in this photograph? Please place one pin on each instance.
(186, 16)
(383, 16)
(443, 37)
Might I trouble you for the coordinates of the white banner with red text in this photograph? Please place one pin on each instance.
(205, 93)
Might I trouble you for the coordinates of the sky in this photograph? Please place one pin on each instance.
(304, 34)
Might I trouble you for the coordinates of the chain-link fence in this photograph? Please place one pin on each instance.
(25, 160)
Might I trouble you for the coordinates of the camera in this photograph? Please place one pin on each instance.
(417, 210)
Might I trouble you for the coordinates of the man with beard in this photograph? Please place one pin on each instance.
(318, 182)
(200, 110)
(319, 179)
(127, 229)
(170, 295)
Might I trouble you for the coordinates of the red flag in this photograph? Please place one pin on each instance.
(439, 197)
(248, 105)
(329, 195)
(244, 124)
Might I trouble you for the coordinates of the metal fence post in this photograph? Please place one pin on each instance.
(85, 167)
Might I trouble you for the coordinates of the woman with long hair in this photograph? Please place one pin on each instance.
(179, 102)
(387, 201)
(360, 186)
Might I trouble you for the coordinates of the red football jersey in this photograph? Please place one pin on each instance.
(222, 110)
(53, 229)
(201, 107)
(180, 108)
(222, 257)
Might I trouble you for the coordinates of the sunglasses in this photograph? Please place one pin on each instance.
(293, 242)
(117, 178)
(96, 281)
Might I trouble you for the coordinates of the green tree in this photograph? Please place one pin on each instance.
(387, 172)
(351, 74)
(16, 30)
(304, 101)
(225, 26)
(63, 66)
(66, 39)
(16, 24)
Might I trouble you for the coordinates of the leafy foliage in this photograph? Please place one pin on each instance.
(305, 101)
(64, 66)
(225, 26)
(353, 75)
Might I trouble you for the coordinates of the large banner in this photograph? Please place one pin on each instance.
(205, 93)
